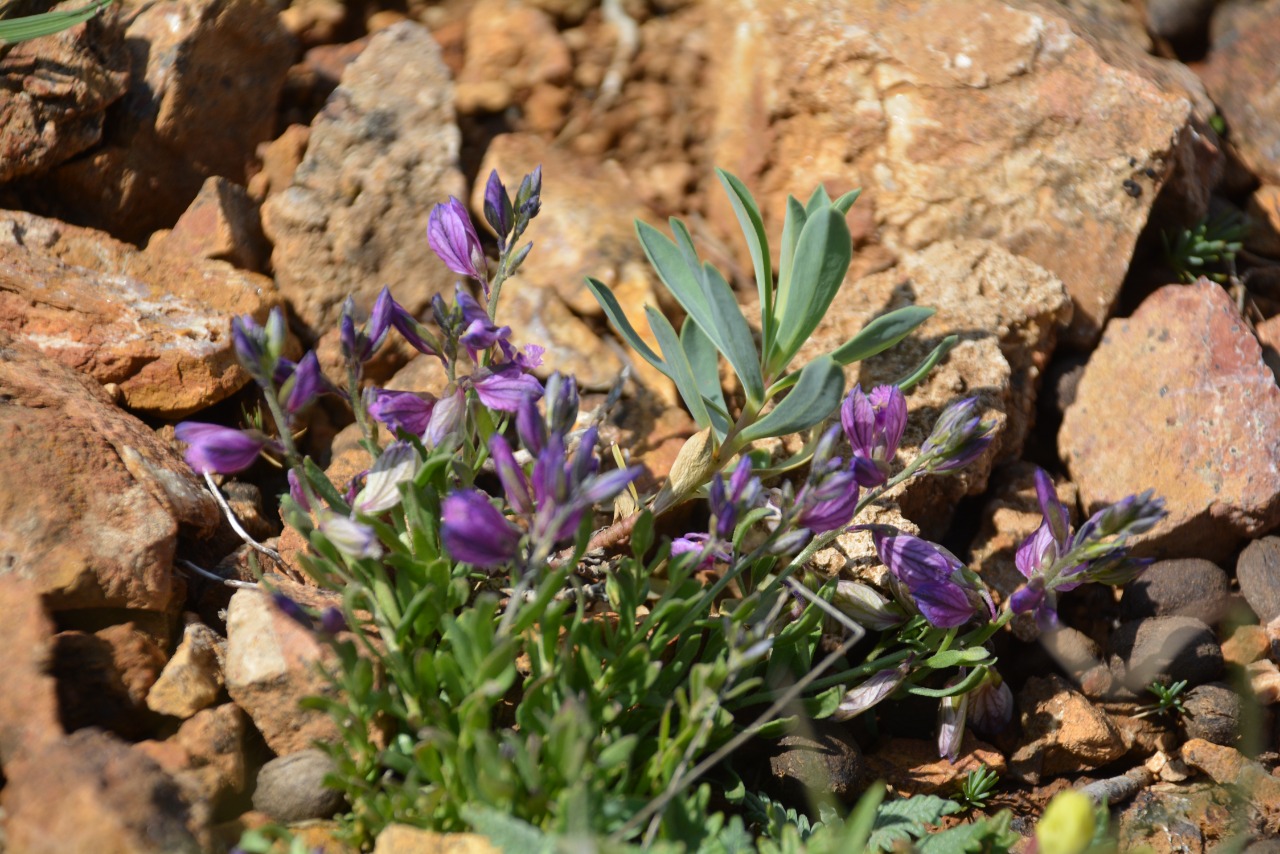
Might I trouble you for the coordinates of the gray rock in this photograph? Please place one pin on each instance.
(1213, 713)
(1172, 648)
(1258, 572)
(1179, 20)
(826, 759)
(1177, 588)
(1075, 652)
(291, 788)
(382, 152)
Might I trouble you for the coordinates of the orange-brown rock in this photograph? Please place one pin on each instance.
(91, 501)
(220, 224)
(1177, 399)
(1064, 732)
(1243, 77)
(28, 698)
(1013, 121)
(157, 327)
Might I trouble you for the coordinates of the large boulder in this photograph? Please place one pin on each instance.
(91, 500)
(1013, 121)
(156, 326)
(381, 153)
(1178, 399)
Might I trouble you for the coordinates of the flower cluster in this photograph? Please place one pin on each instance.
(549, 503)
(1053, 560)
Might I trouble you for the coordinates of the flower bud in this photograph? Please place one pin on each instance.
(959, 437)
(866, 607)
(871, 692)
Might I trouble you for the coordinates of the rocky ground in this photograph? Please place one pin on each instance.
(176, 163)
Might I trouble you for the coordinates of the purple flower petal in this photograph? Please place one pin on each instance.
(877, 688)
(217, 449)
(446, 418)
(928, 572)
(515, 483)
(497, 206)
(475, 532)
(951, 717)
(503, 389)
(453, 238)
(402, 410)
(307, 382)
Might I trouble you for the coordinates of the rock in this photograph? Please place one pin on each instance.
(1174, 820)
(1145, 736)
(138, 658)
(1063, 732)
(291, 788)
(1243, 79)
(192, 680)
(1264, 215)
(1177, 588)
(961, 121)
(1228, 766)
(1073, 650)
(1177, 399)
(1179, 20)
(511, 48)
(280, 159)
(586, 228)
(221, 224)
(157, 327)
(186, 116)
(825, 759)
(383, 150)
(1007, 311)
(56, 95)
(91, 692)
(1258, 571)
(403, 839)
(1264, 681)
(1246, 645)
(28, 693)
(1166, 649)
(912, 766)
(91, 502)
(853, 554)
(1010, 516)
(270, 667)
(1213, 713)
(92, 792)
(206, 758)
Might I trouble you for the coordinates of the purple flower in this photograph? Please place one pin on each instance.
(951, 716)
(402, 410)
(478, 331)
(497, 207)
(959, 437)
(446, 418)
(990, 705)
(258, 348)
(297, 493)
(729, 501)
(874, 425)
(930, 575)
(513, 479)
(529, 196)
(332, 621)
(697, 544)
(1128, 517)
(475, 532)
(530, 425)
(871, 692)
(217, 449)
(828, 504)
(359, 345)
(504, 387)
(304, 386)
(452, 237)
(561, 400)
(407, 325)
(291, 609)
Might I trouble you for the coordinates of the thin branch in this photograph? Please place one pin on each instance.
(230, 582)
(235, 523)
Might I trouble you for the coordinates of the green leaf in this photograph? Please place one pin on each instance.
(967, 684)
(816, 395)
(613, 310)
(817, 201)
(882, 333)
(705, 361)
(791, 229)
(900, 821)
(845, 202)
(822, 259)
(672, 264)
(957, 658)
(752, 225)
(30, 27)
(915, 377)
(715, 310)
(861, 822)
(507, 832)
(681, 371)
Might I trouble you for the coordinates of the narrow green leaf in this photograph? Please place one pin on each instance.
(714, 308)
(822, 260)
(613, 310)
(705, 361)
(882, 333)
(752, 225)
(817, 201)
(30, 27)
(672, 266)
(912, 379)
(678, 362)
(816, 395)
(731, 334)
(845, 202)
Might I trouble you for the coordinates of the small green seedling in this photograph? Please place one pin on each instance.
(1168, 698)
(977, 786)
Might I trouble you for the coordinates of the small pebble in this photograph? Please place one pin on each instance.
(291, 788)
(1213, 713)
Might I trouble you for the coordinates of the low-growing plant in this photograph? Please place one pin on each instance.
(1208, 248)
(976, 787)
(27, 27)
(1168, 699)
(496, 673)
